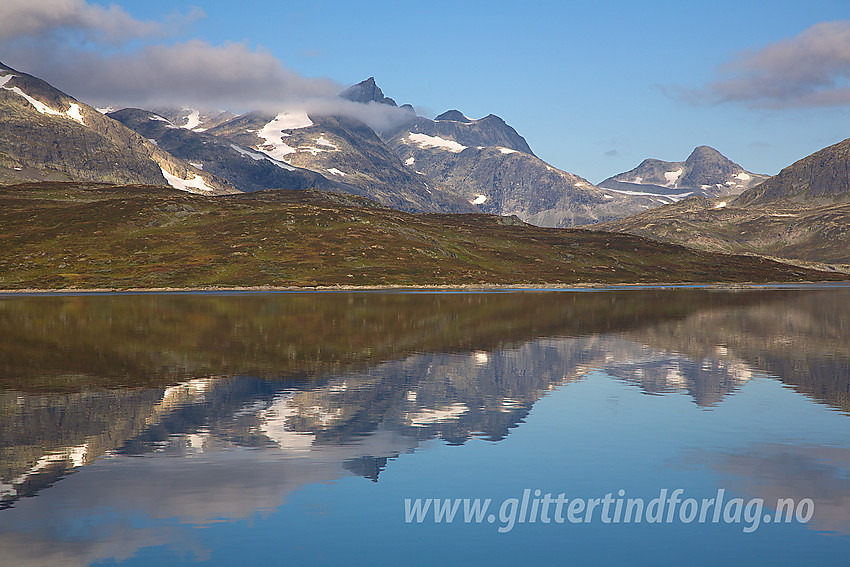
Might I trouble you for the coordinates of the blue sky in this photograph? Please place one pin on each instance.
(594, 87)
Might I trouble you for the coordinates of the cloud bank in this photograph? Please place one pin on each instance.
(85, 50)
(809, 70)
(46, 18)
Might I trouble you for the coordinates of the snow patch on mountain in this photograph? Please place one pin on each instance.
(291, 120)
(73, 111)
(275, 148)
(673, 176)
(479, 199)
(193, 120)
(426, 141)
(260, 157)
(410, 161)
(335, 171)
(322, 141)
(313, 150)
(75, 114)
(39, 106)
(507, 151)
(273, 133)
(673, 198)
(193, 185)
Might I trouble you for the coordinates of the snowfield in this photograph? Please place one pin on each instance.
(193, 185)
(673, 176)
(75, 114)
(426, 141)
(673, 198)
(273, 133)
(261, 156)
(193, 120)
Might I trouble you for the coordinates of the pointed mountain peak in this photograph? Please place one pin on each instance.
(708, 166)
(454, 116)
(365, 92)
(705, 153)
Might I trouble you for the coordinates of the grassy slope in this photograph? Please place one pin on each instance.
(66, 235)
(815, 232)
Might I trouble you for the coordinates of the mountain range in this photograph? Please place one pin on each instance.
(706, 173)
(452, 163)
(449, 164)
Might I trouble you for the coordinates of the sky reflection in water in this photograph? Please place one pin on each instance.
(292, 428)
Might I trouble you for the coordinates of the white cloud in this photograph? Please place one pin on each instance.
(105, 56)
(43, 18)
(193, 73)
(809, 70)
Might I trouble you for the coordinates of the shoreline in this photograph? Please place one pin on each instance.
(459, 288)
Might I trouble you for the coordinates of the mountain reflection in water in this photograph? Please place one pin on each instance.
(237, 401)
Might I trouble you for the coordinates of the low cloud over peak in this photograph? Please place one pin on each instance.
(193, 73)
(85, 50)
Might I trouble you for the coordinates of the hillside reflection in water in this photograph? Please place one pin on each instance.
(240, 404)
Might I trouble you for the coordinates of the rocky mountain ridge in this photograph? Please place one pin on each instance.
(47, 135)
(822, 177)
(706, 172)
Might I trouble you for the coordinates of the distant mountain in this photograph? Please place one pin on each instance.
(822, 176)
(490, 131)
(365, 92)
(492, 166)
(344, 150)
(706, 172)
(802, 214)
(247, 169)
(47, 135)
(504, 181)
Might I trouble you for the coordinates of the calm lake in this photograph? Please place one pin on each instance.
(618, 427)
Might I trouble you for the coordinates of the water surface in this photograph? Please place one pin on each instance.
(291, 428)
